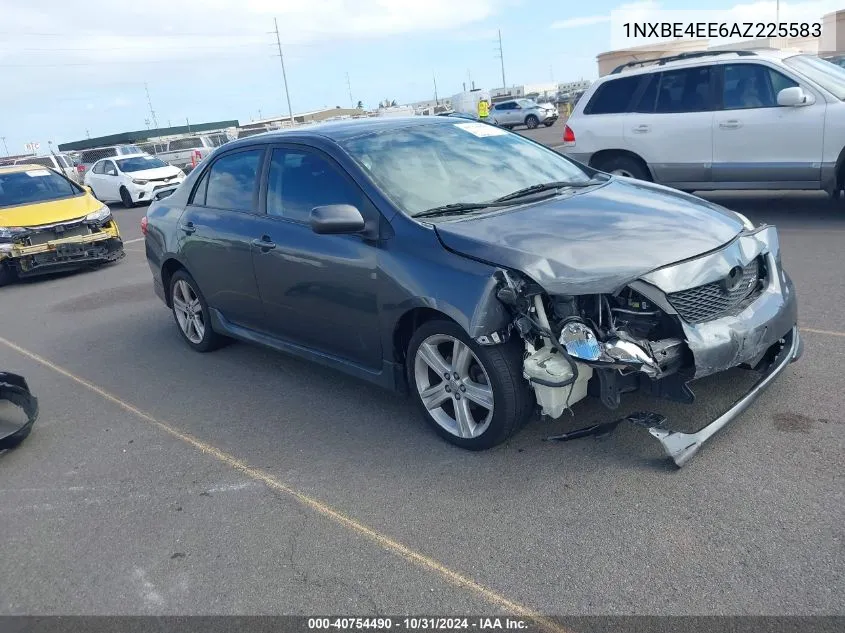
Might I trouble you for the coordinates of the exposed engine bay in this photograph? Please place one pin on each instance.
(619, 339)
(608, 344)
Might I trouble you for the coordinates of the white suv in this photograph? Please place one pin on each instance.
(717, 120)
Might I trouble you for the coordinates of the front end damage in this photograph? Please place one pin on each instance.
(62, 246)
(733, 307)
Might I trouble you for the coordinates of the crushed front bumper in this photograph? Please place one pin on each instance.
(682, 446)
(55, 255)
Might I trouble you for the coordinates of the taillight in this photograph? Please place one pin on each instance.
(80, 169)
(196, 157)
(144, 225)
(568, 135)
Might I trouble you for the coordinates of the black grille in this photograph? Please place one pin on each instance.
(717, 298)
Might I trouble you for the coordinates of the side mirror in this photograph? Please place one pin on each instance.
(336, 219)
(793, 97)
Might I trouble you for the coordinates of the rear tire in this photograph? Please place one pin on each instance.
(126, 198)
(190, 311)
(485, 404)
(531, 121)
(624, 166)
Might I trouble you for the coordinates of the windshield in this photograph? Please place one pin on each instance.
(427, 166)
(217, 140)
(829, 76)
(34, 185)
(129, 149)
(140, 163)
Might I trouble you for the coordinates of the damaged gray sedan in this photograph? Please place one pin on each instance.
(482, 272)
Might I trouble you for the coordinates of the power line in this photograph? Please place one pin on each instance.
(501, 56)
(150, 103)
(284, 74)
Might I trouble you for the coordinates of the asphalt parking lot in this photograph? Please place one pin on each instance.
(161, 481)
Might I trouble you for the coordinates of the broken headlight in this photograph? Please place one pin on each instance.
(9, 233)
(100, 215)
(580, 341)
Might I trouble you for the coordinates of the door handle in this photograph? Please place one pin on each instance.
(265, 243)
(188, 228)
(732, 124)
(641, 128)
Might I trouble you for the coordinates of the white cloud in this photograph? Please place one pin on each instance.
(589, 20)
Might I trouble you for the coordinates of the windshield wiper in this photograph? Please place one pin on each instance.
(546, 186)
(454, 209)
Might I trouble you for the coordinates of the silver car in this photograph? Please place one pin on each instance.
(509, 114)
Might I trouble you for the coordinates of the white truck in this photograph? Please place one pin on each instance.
(187, 152)
(467, 102)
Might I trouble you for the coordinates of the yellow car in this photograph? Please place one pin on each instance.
(49, 224)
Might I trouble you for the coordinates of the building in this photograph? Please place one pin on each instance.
(137, 136)
(832, 41)
(525, 90)
(571, 87)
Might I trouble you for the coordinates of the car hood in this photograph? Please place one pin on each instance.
(154, 174)
(594, 240)
(51, 212)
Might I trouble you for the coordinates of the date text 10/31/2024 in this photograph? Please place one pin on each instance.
(419, 624)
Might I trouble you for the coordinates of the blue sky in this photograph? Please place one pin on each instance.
(71, 67)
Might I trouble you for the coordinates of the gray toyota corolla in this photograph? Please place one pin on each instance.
(485, 274)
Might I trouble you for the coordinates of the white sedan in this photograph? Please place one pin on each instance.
(131, 179)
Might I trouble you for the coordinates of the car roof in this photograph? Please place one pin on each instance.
(346, 129)
(696, 58)
(122, 156)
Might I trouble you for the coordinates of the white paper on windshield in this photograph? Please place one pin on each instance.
(149, 157)
(37, 172)
(481, 129)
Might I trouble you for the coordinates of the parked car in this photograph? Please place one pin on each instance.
(131, 179)
(61, 163)
(49, 223)
(90, 156)
(381, 248)
(186, 153)
(717, 120)
(510, 114)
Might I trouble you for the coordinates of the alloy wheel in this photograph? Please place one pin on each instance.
(188, 311)
(454, 386)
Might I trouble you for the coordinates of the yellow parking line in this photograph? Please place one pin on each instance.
(826, 332)
(421, 560)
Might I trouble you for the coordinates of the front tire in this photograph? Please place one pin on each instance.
(531, 121)
(191, 313)
(473, 396)
(126, 198)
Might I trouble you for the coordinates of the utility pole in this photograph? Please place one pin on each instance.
(349, 88)
(150, 103)
(436, 100)
(284, 74)
(6, 149)
(87, 133)
(259, 114)
(502, 59)
(188, 123)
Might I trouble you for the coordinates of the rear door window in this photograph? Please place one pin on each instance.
(613, 96)
(185, 143)
(685, 90)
